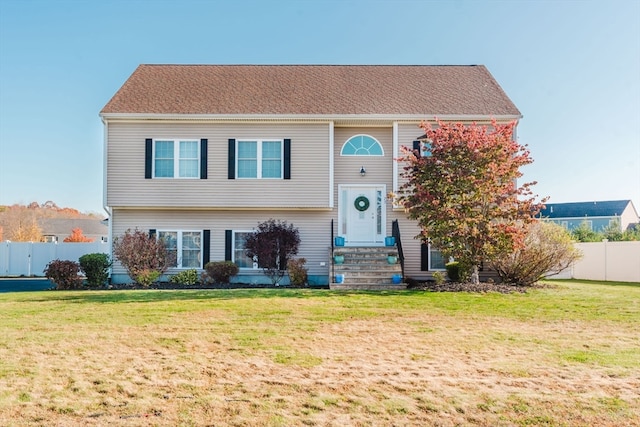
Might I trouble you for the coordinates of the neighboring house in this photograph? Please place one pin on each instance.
(57, 229)
(200, 154)
(597, 215)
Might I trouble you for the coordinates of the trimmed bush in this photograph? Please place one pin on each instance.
(64, 274)
(457, 271)
(221, 271)
(297, 272)
(453, 271)
(146, 278)
(96, 268)
(438, 277)
(187, 277)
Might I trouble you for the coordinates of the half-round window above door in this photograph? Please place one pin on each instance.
(362, 145)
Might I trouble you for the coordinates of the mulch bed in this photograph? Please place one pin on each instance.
(482, 287)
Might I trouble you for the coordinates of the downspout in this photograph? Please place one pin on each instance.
(331, 165)
(106, 208)
(395, 155)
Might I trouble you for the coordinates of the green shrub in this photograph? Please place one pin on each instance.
(146, 277)
(64, 274)
(456, 271)
(438, 277)
(221, 271)
(96, 268)
(297, 272)
(186, 277)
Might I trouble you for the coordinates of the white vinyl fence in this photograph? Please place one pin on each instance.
(30, 259)
(612, 261)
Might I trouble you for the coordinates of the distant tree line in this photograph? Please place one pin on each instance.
(612, 233)
(21, 223)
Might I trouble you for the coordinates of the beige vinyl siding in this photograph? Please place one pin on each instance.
(407, 133)
(314, 228)
(628, 216)
(379, 168)
(307, 188)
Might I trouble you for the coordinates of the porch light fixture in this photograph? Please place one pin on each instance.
(363, 171)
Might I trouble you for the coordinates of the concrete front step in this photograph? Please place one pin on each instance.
(366, 268)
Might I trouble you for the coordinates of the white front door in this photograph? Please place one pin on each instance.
(362, 214)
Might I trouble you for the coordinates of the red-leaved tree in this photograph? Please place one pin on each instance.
(273, 244)
(77, 236)
(463, 191)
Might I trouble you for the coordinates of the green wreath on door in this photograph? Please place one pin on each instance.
(361, 203)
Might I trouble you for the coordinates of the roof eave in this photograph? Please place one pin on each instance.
(308, 117)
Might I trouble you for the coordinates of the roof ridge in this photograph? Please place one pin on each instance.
(312, 65)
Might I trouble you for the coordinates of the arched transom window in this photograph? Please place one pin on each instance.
(362, 145)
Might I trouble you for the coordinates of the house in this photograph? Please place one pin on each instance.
(57, 229)
(597, 215)
(200, 154)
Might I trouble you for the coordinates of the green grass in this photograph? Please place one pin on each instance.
(565, 354)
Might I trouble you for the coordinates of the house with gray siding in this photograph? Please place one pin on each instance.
(597, 215)
(200, 154)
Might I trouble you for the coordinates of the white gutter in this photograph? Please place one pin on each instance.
(309, 117)
(106, 208)
(331, 165)
(395, 154)
(105, 142)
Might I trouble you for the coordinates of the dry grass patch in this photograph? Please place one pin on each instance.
(566, 355)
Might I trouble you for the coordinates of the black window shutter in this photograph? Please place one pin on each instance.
(287, 159)
(231, 167)
(148, 157)
(152, 232)
(206, 247)
(424, 257)
(417, 149)
(203, 158)
(228, 241)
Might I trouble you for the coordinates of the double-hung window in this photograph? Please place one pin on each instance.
(259, 159)
(184, 247)
(239, 256)
(431, 259)
(436, 260)
(176, 158)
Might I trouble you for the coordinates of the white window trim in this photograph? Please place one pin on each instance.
(176, 158)
(430, 266)
(259, 156)
(179, 247)
(233, 250)
(361, 155)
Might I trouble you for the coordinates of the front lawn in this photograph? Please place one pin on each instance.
(567, 354)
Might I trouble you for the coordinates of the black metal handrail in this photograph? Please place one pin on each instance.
(331, 255)
(395, 232)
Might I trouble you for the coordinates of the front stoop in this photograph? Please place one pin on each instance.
(366, 268)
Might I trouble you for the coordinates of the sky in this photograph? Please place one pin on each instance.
(571, 67)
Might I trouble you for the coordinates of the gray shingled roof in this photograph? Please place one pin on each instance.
(59, 226)
(312, 90)
(584, 209)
